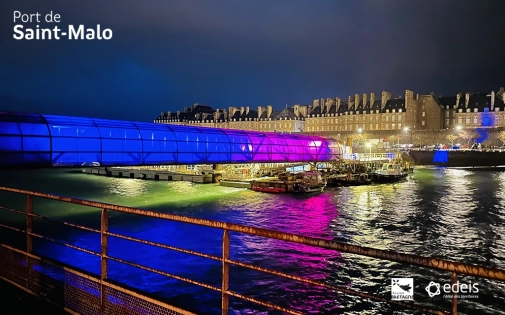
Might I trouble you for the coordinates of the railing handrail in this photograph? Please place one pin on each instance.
(434, 263)
(365, 155)
(423, 261)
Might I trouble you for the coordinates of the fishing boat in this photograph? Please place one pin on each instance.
(303, 182)
(389, 172)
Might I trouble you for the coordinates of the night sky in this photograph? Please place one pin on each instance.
(165, 54)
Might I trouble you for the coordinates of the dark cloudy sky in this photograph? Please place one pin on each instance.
(168, 54)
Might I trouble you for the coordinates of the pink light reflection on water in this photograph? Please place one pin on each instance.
(306, 215)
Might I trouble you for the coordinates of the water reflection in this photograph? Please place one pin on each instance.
(127, 187)
(455, 232)
(449, 213)
(497, 227)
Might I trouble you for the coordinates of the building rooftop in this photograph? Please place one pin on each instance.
(200, 112)
(288, 112)
(396, 104)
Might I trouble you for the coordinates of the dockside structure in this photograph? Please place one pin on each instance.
(35, 140)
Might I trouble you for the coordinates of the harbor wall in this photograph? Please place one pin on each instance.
(457, 158)
(148, 174)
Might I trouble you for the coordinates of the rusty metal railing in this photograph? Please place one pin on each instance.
(434, 263)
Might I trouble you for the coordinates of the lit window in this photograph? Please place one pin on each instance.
(424, 114)
(423, 122)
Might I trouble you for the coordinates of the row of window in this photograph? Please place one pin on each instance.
(393, 126)
(249, 126)
(352, 119)
(469, 110)
(475, 119)
(358, 112)
(358, 115)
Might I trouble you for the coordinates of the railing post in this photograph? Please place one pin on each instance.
(29, 224)
(103, 258)
(29, 238)
(454, 297)
(226, 280)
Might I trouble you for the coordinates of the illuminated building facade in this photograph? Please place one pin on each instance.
(474, 110)
(291, 119)
(366, 112)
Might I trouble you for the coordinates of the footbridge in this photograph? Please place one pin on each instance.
(37, 140)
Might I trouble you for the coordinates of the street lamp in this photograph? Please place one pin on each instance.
(458, 132)
(360, 130)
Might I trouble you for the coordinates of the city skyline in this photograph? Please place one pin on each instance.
(164, 56)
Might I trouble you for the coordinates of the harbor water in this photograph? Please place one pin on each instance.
(455, 214)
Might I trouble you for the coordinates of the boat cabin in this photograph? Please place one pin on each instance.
(390, 168)
(269, 186)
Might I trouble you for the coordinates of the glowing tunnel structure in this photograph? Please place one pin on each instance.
(35, 140)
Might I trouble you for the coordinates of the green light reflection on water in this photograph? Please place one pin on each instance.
(137, 193)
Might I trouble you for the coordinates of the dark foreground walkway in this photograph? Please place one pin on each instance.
(15, 301)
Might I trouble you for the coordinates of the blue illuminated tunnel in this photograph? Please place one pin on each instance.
(34, 140)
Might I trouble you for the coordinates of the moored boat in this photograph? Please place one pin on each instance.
(269, 186)
(304, 182)
(308, 182)
(389, 172)
(337, 180)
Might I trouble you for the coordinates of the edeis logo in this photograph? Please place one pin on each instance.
(402, 289)
(459, 290)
